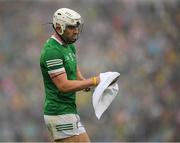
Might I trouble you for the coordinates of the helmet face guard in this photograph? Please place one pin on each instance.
(67, 18)
(79, 27)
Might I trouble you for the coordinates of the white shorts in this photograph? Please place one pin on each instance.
(64, 126)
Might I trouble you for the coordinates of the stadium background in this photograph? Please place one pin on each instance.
(138, 38)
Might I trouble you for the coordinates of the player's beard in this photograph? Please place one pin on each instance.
(70, 40)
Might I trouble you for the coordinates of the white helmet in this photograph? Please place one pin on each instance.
(66, 17)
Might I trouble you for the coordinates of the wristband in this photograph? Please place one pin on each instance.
(94, 79)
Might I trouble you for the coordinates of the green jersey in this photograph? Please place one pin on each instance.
(57, 58)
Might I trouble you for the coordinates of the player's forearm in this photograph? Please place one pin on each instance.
(75, 85)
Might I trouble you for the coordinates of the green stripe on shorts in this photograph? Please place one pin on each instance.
(64, 127)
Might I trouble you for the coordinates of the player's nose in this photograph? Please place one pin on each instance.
(76, 30)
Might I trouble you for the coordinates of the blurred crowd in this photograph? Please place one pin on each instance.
(138, 38)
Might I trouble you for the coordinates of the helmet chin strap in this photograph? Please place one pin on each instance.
(65, 42)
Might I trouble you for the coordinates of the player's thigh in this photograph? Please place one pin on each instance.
(69, 139)
(77, 138)
(83, 137)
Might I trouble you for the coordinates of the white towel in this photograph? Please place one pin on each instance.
(105, 93)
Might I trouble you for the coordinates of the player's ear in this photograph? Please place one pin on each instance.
(58, 28)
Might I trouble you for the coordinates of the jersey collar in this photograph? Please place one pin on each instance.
(53, 37)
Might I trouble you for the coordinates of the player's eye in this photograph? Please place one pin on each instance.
(71, 27)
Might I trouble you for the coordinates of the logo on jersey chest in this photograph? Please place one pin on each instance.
(70, 57)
